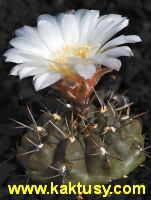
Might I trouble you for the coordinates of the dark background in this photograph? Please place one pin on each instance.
(134, 75)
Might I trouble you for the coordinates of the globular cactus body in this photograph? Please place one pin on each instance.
(102, 147)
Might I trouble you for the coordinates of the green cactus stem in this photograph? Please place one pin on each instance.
(102, 146)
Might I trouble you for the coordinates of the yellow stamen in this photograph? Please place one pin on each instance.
(60, 56)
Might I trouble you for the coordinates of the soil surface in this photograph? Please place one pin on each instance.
(134, 75)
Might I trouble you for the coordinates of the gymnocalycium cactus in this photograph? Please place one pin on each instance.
(70, 52)
(98, 148)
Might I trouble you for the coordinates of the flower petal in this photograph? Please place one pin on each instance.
(53, 24)
(79, 14)
(30, 46)
(70, 29)
(115, 28)
(108, 28)
(29, 32)
(87, 25)
(98, 58)
(103, 22)
(34, 60)
(11, 51)
(46, 80)
(73, 60)
(13, 55)
(121, 40)
(33, 35)
(118, 51)
(92, 51)
(22, 73)
(14, 71)
(51, 35)
(86, 71)
(49, 18)
(112, 63)
(28, 70)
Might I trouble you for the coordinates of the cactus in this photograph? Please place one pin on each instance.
(93, 146)
(94, 149)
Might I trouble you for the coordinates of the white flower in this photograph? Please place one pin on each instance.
(67, 45)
